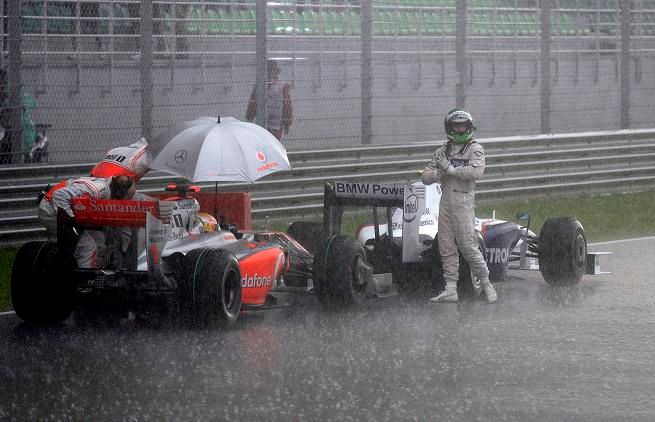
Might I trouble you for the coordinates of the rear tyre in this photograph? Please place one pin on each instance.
(308, 233)
(562, 251)
(341, 271)
(211, 291)
(42, 289)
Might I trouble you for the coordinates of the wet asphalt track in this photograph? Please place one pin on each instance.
(582, 353)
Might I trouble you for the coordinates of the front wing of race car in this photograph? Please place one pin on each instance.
(509, 245)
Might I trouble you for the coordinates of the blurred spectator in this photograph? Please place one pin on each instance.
(29, 103)
(182, 13)
(279, 111)
(5, 121)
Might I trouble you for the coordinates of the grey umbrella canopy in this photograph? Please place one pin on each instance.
(218, 150)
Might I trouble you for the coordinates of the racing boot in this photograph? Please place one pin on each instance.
(448, 295)
(490, 291)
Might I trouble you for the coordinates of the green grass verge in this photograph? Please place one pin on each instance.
(6, 261)
(607, 217)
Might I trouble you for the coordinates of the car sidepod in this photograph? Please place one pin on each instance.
(260, 266)
(500, 238)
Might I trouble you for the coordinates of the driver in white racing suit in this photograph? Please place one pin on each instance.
(457, 165)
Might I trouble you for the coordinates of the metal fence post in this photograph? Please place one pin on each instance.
(146, 68)
(14, 81)
(261, 53)
(545, 6)
(460, 53)
(366, 59)
(626, 17)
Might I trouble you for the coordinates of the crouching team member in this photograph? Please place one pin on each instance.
(56, 205)
(457, 165)
(60, 198)
(134, 161)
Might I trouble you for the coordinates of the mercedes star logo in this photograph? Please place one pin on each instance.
(180, 156)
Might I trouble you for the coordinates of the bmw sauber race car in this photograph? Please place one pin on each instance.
(189, 268)
(380, 261)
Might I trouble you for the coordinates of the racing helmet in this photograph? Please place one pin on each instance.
(458, 118)
(209, 223)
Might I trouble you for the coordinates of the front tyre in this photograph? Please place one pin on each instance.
(211, 291)
(562, 251)
(42, 290)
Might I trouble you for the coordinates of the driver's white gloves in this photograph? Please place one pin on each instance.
(165, 210)
(443, 162)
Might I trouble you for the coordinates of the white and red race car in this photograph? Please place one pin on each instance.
(189, 267)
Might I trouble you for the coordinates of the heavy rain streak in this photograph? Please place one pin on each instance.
(349, 100)
(539, 353)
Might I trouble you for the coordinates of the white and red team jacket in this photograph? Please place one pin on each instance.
(132, 160)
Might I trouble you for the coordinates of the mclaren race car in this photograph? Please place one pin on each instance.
(189, 268)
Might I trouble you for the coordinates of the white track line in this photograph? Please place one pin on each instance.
(635, 239)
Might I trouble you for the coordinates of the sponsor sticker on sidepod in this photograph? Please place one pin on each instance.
(256, 281)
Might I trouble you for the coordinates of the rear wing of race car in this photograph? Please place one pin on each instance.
(338, 194)
(411, 198)
(91, 212)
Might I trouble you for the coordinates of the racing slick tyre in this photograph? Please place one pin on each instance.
(562, 251)
(468, 285)
(308, 233)
(42, 290)
(341, 271)
(211, 290)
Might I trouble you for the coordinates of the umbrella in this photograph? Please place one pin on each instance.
(211, 149)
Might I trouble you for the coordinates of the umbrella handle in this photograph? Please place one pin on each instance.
(216, 193)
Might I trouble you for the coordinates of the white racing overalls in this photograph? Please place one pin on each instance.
(456, 214)
(61, 195)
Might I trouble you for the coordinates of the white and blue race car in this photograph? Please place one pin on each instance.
(376, 261)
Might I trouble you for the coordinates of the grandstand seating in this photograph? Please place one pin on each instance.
(391, 18)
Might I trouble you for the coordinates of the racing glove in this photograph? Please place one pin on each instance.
(165, 210)
(443, 162)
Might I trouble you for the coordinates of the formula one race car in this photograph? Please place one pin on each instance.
(377, 261)
(189, 268)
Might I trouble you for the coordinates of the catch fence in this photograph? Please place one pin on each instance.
(104, 73)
